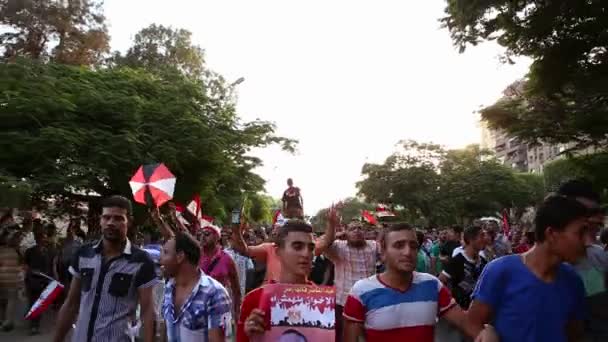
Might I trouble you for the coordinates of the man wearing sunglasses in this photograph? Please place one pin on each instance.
(218, 264)
(354, 259)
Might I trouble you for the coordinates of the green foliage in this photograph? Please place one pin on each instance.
(77, 133)
(14, 193)
(440, 186)
(157, 47)
(590, 166)
(68, 32)
(564, 98)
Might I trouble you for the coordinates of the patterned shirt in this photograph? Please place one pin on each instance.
(208, 307)
(351, 264)
(109, 291)
(389, 314)
(243, 264)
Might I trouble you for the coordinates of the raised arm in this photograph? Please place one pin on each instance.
(324, 242)
(164, 227)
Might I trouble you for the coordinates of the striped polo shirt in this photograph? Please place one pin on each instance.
(392, 315)
(109, 291)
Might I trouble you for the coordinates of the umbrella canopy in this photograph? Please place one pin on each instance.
(153, 184)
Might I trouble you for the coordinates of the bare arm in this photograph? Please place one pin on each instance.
(147, 312)
(238, 242)
(459, 319)
(235, 288)
(68, 312)
(216, 335)
(353, 331)
(330, 233)
(164, 227)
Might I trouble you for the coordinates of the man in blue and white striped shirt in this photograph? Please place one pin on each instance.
(109, 278)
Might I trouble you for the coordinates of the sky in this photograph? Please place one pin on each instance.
(347, 79)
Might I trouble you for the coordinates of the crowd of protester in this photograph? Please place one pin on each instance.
(184, 281)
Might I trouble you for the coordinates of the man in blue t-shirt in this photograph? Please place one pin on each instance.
(535, 297)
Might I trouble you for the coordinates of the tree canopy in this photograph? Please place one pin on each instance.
(564, 97)
(68, 32)
(78, 124)
(442, 185)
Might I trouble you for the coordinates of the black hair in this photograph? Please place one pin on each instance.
(289, 227)
(581, 188)
(420, 237)
(155, 235)
(117, 201)
(557, 212)
(470, 233)
(456, 228)
(187, 244)
(604, 236)
(395, 228)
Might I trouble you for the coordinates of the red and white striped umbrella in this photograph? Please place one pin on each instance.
(153, 185)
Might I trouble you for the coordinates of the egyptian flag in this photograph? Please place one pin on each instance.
(383, 211)
(48, 296)
(190, 213)
(368, 217)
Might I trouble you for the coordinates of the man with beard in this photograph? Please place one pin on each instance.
(219, 265)
(294, 248)
(196, 306)
(354, 259)
(110, 278)
(401, 304)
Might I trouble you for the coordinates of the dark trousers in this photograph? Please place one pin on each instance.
(339, 323)
(33, 294)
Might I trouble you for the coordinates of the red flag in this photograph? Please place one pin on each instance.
(47, 297)
(505, 222)
(368, 217)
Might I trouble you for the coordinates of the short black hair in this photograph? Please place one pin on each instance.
(291, 226)
(187, 244)
(419, 237)
(397, 227)
(604, 236)
(470, 233)
(579, 188)
(557, 212)
(117, 201)
(456, 228)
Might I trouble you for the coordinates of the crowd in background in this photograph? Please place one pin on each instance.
(240, 259)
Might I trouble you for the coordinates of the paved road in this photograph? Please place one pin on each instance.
(21, 331)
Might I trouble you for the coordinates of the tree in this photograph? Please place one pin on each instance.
(79, 134)
(564, 96)
(589, 166)
(70, 32)
(443, 186)
(157, 47)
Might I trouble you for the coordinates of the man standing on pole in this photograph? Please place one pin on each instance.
(110, 278)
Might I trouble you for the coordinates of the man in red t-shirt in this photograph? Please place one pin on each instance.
(294, 249)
